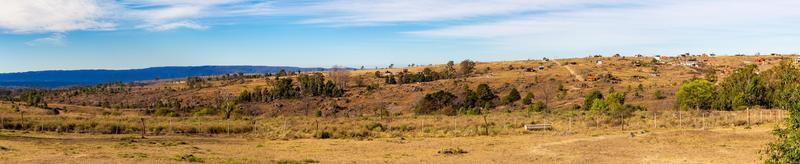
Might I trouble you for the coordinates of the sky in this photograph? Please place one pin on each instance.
(124, 34)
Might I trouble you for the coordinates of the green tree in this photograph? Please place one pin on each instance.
(512, 97)
(435, 102)
(599, 105)
(528, 99)
(782, 83)
(696, 94)
(589, 99)
(742, 88)
(484, 94)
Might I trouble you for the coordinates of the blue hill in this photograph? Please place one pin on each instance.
(63, 78)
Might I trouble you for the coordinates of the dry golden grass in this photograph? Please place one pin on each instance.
(722, 145)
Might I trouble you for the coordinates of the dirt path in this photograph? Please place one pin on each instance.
(577, 77)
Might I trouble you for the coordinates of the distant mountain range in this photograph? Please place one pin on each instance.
(65, 78)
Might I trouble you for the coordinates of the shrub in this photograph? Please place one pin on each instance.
(590, 99)
(305, 161)
(452, 151)
(537, 106)
(659, 95)
(376, 127)
(434, 102)
(528, 99)
(323, 135)
(512, 97)
(188, 158)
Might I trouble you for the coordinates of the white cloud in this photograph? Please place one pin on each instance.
(177, 25)
(344, 12)
(46, 16)
(34, 16)
(56, 39)
(652, 26)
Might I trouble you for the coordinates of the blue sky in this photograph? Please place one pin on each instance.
(121, 34)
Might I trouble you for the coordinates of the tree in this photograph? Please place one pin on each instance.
(528, 99)
(742, 88)
(435, 102)
(195, 82)
(340, 76)
(589, 99)
(466, 67)
(484, 94)
(228, 107)
(786, 148)
(283, 88)
(449, 69)
(512, 97)
(697, 94)
(782, 83)
(599, 105)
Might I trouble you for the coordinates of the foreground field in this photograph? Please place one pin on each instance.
(722, 145)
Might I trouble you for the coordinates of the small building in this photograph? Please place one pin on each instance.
(691, 63)
(598, 62)
(541, 67)
(797, 60)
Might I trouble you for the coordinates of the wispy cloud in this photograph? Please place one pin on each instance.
(35, 16)
(56, 39)
(344, 12)
(650, 26)
(177, 25)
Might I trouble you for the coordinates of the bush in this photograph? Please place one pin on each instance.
(188, 158)
(537, 106)
(659, 95)
(323, 135)
(469, 111)
(528, 99)
(434, 102)
(512, 97)
(375, 127)
(696, 94)
(452, 151)
(590, 99)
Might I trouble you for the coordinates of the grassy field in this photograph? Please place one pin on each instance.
(577, 137)
(719, 145)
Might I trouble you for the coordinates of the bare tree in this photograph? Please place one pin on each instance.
(339, 76)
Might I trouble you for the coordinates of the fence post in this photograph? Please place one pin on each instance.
(144, 129)
(748, 116)
(655, 120)
(680, 120)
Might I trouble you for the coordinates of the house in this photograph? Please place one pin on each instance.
(691, 63)
(541, 67)
(797, 60)
(599, 62)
